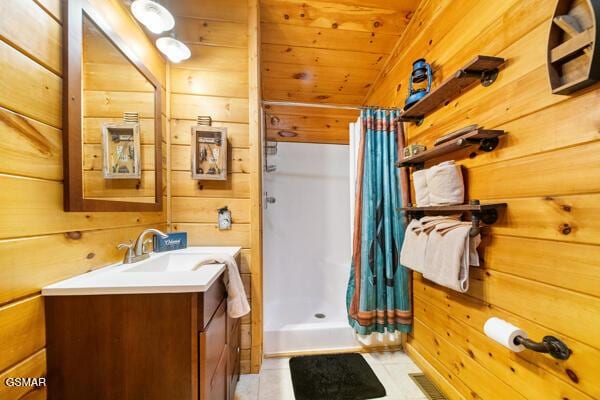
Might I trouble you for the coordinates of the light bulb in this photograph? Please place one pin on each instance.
(175, 50)
(152, 15)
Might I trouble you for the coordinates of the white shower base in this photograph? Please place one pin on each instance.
(296, 329)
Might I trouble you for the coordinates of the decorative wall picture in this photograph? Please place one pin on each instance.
(209, 153)
(121, 148)
(573, 56)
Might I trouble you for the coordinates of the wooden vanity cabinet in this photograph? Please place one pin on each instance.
(176, 346)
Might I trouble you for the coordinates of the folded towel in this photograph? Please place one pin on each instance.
(237, 303)
(450, 252)
(412, 254)
(445, 184)
(421, 190)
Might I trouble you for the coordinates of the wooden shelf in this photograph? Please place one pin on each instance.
(486, 139)
(457, 208)
(481, 68)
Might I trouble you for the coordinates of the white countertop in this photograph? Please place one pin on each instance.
(118, 279)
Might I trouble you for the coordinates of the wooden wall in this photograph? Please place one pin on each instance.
(35, 248)
(215, 82)
(536, 274)
(311, 124)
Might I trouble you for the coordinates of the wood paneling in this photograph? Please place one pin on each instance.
(35, 249)
(28, 88)
(22, 330)
(227, 10)
(215, 82)
(31, 263)
(311, 124)
(29, 148)
(539, 261)
(41, 40)
(325, 51)
(211, 32)
(184, 106)
(32, 367)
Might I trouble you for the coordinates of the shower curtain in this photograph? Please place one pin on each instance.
(378, 289)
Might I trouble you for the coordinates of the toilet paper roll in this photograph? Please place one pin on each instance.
(504, 333)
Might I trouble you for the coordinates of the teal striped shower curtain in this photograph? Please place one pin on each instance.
(378, 289)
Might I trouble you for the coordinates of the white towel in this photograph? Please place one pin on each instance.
(450, 252)
(445, 184)
(237, 303)
(421, 190)
(412, 254)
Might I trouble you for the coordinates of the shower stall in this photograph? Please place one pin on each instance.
(307, 249)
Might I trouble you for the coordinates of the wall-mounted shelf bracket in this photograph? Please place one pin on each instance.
(480, 213)
(486, 77)
(486, 139)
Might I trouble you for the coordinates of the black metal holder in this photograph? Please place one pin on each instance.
(486, 77)
(549, 344)
(486, 213)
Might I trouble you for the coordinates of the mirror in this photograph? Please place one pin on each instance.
(114, 140)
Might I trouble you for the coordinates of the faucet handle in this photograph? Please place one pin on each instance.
(129, 255)
(122, 246)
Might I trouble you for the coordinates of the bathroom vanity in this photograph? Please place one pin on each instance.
(156, 329)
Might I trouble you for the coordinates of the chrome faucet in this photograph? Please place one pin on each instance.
(137, 252)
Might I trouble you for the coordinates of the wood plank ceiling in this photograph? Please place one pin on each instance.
(324, 52)
(328, 51)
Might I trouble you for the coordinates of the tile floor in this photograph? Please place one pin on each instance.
(275, 382)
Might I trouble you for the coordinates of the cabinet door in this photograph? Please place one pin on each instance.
(218, 383)
(233, 346)
(212, 350)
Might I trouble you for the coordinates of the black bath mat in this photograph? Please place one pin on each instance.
(334, 377)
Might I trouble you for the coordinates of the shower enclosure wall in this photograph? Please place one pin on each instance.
(307, 249)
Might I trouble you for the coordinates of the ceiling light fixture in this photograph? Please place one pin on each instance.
(175, 50)
(153, 16)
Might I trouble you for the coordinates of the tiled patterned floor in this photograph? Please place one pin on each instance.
(275, 382)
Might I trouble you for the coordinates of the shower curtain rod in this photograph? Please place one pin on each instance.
(334, 106)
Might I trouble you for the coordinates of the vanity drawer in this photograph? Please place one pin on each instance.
(209, 301)
(212, 347)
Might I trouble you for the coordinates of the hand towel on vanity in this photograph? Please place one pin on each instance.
(237, 303)
(412, 254)
(445, 184)
(450, 252)
(421, 190)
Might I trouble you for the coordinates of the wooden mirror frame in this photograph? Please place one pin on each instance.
(74, 200)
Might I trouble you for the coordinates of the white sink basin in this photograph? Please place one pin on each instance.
(170, 263)
(178, 271)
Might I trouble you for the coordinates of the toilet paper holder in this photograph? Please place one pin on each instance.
(549, 344)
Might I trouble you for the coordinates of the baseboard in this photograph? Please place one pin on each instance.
(440, 380)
